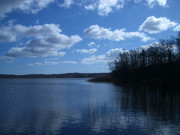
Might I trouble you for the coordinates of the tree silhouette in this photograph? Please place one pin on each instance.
(158, 61)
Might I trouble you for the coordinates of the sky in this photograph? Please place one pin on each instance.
(68, 36)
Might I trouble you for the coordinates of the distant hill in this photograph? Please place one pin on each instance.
(67, 75)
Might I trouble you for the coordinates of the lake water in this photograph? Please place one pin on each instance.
(78, 107)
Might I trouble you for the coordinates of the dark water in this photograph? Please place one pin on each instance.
(78, 107)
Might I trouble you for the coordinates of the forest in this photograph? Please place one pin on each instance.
(156, 63)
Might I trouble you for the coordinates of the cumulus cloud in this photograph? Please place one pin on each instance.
(97, 32)
(146, 47)
(151, 3)
(113, 53)
(105, 7)
(69, 62)
(109, 56)
(29, 51)
(88, 51)
(66, 4)
(91, 44)
(155, 25)
(177, 28)
(44, 40)
(91, 7)
(28, 6)
(13, 32)
(157, 44)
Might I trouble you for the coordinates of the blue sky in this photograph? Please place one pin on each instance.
(62, 36)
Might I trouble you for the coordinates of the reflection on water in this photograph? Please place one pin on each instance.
(75, 106)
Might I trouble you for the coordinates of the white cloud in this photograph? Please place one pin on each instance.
(91, 44)
(113, 53)
(146, 47)
(162, 3)
(69, 62)
(66, 4)
(105, 7)
(137, 1)
(44, 40)
(155, 25)
(9, 60)
(157, 44)
(51, 58)
(88, 51)
(44, 63)
(94, 59)
(50, 63)
(177, 28)
(28, 6)
(35, 64)
(91, 7)
(97, 32)
(12, 32)
(109, 56)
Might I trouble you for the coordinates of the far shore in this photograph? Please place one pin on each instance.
(65, 75)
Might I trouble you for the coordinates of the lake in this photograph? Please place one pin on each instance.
(78, 107)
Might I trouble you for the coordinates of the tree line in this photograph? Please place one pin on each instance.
(149, 62)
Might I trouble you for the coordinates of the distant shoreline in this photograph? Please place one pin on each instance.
(94, 77)
(65, 75)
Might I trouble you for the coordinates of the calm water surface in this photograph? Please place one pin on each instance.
(78, 107)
